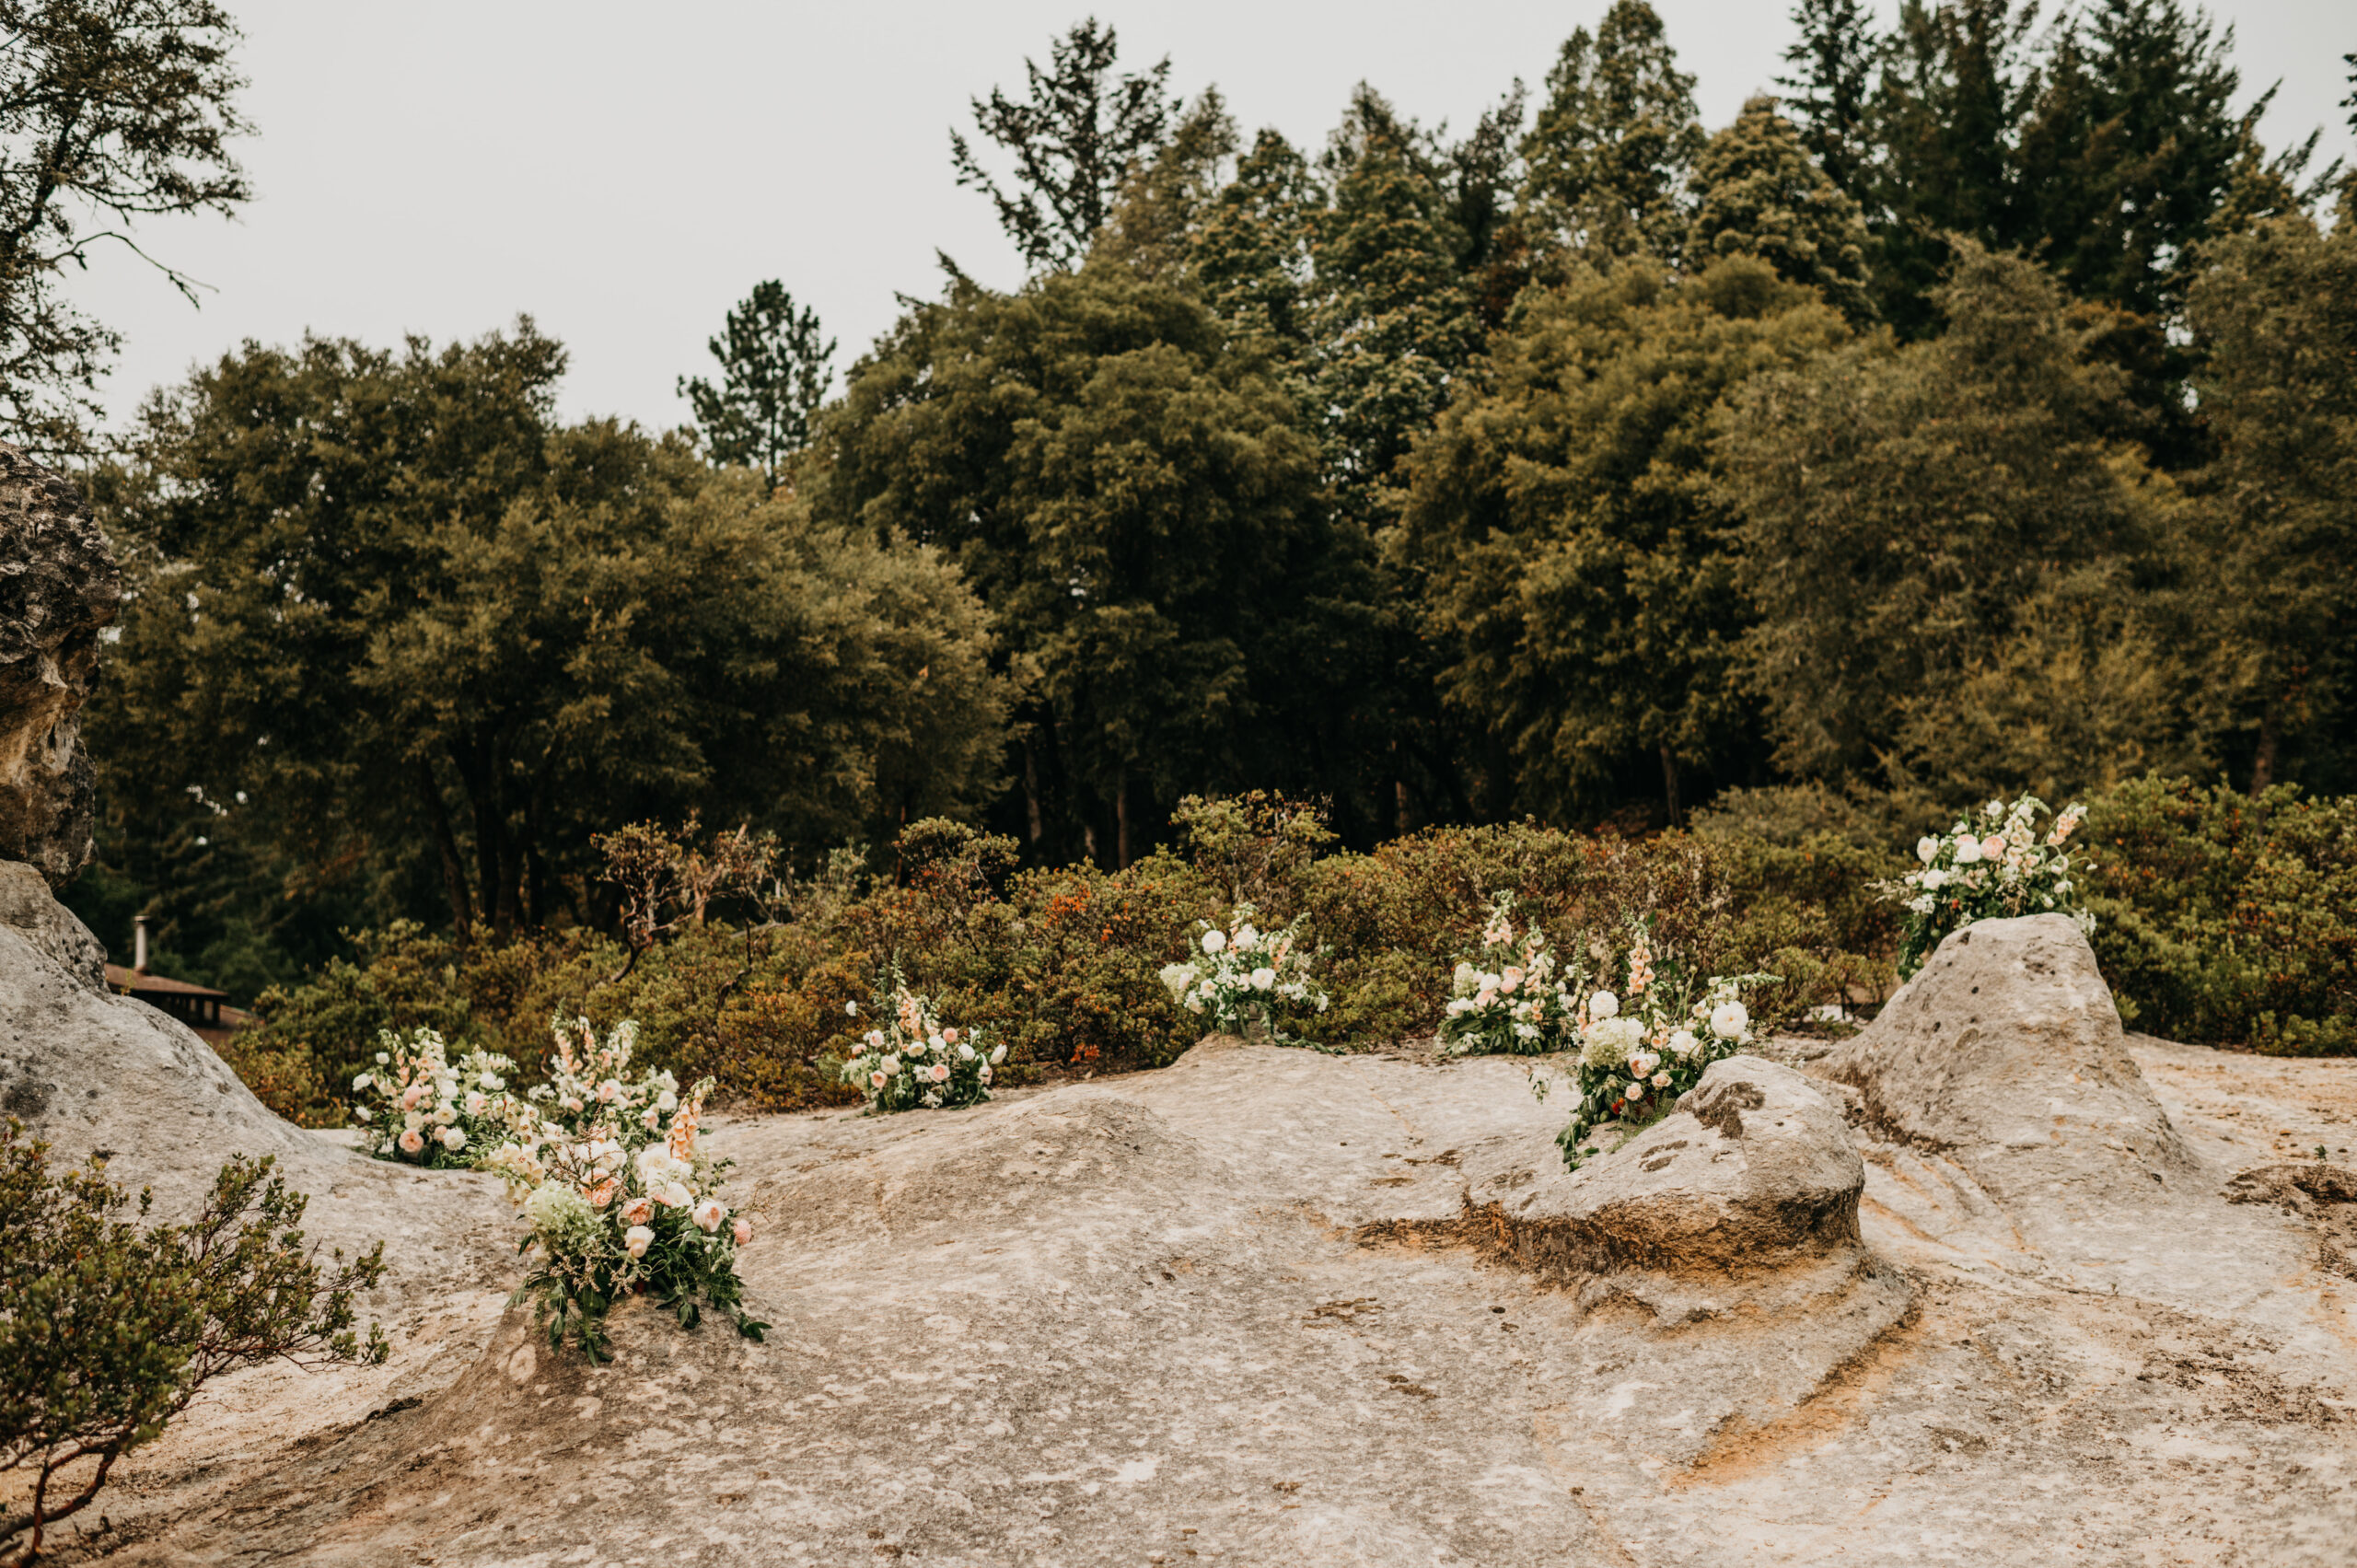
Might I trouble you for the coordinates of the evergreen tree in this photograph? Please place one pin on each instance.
(1758, 193)
(2276, 314)
(2128, 150)
(1951, 94)
(1831, 95)
(773, 375)
(1955, 530)
(1250, 260)
(1577, 578)
(1136, 499)
(1074, 140)
(1391, 325)
(1607, 155)
(1482, 173)
(1156, 226)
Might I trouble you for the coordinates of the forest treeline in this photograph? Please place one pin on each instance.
(1976, 414)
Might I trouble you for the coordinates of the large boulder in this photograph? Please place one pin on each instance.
(2005, 1053)
(59, 586)
(1752, 1170)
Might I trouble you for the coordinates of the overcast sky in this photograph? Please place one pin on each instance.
(625, 172)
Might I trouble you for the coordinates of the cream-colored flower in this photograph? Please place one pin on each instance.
(638, 1238)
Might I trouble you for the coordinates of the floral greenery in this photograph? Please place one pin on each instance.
(620, 1196)
(426, 1111)
(1995, 866)
(108, 1327)
(1648, 1043)
(912, 1060)
(1246, 979)
(1507, 999)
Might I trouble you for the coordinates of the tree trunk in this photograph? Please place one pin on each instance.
(1121, 816)
(1031, 791)
(2270, 743)
(446, 842)
(1669, 785)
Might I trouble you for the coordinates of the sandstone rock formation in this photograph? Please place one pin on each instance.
(58, 586)
(1267, 1306)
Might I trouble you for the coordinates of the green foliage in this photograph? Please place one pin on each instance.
(389, 615)
(2227, 918)
(110, 1327)
(1137, 500)
(2276, 312)
(1576, 565)
(1959, 564)
(1073, 141)
(1757, 192)
(773, 377)
(110, 113)
(1612, 144)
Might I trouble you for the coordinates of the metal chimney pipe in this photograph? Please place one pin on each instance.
(139, 943)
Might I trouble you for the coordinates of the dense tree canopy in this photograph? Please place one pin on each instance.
(1975, 416)
(386, 601)
(1577, 568)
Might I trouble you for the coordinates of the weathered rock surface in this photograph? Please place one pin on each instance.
(1234, 1310)
(58, 586)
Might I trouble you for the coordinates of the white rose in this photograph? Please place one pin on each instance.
(638, 1238)
(709, 1213)
(1661, 1080)
(676, 1195)
(891, 1063)
(1263, 979)
(851, 1009)
(667, 1102)
(1215, 942)
(1603, 1005)
(1728, 1020)
(382, 1058)
(453, 1138)
(1925, 848)
(965, 1051)
(998, 1056)
(362, 1082)
(1935, 879)
(1246, 938)
(1967, 851)
(1642, 1065)
(1683, 1042)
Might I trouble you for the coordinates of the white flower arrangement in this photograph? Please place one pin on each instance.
(1994, 863)
(619, 1195)
(1641, 1048)
(416, 1106)
(1508, 999)
(913, 1062)
(1244, 978)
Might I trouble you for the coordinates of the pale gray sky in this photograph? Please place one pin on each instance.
(625, 172)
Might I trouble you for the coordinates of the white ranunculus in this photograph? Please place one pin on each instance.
(1967, 851)
(1729, 1019)
(1603, 1005)
(1263, 977)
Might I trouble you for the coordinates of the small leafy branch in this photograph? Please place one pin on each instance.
(664, 881)
(108, 1327)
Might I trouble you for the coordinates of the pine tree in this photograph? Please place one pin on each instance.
(1831, 95)
(1609, 154)
(1392, 323)
(774, 372)
(2128, 150)
(1758, 193)
(1075, 141)
(1950, 98)
(1250, 259)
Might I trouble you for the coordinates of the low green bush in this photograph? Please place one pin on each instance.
(2226, 919)
(108, 1327)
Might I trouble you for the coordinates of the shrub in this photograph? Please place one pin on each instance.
(2229, 920)
(109, 1327)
